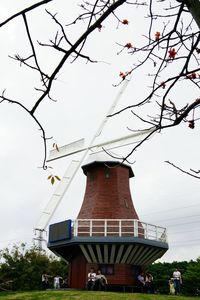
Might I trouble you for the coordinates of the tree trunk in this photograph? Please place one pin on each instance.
(194, 8)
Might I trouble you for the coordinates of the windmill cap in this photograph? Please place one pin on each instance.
(104, 158)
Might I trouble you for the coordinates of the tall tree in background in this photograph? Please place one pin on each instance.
(22, 267)
(170, 51)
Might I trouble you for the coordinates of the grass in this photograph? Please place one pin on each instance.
(86, 295)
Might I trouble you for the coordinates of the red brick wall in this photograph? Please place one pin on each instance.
(122, 275)
(107, 197)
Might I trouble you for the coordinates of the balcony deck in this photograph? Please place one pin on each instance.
(118, 228)
(106, 241)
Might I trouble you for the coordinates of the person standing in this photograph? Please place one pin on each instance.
(141, 281)
(100, 281)
(45, 281)
(56, 282)
(177, 281)
(171, 287)
(91, 279)
(149, 283)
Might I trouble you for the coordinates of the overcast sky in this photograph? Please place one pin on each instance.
(161, 194)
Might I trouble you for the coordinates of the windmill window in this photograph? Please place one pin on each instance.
(107, 269)
(126, 203)
(107, 173)
(91, 175)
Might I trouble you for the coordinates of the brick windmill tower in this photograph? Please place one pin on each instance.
(107, 233)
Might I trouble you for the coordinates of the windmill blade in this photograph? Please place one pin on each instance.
(57, 195)
(66, 150)
(122, 141)
(111, 110)
(76, 147)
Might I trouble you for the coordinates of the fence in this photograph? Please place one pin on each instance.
(118, 228)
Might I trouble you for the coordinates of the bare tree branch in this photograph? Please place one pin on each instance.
(24, 11)
(174, 46)
(183, 171)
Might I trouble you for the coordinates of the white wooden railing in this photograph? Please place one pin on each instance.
(118, 228)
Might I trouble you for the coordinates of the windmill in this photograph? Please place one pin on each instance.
(76, 147)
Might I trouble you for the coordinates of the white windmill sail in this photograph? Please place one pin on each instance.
(57, 195)
(77, 146)
(69, 175)
(123, 141)
(66, 150)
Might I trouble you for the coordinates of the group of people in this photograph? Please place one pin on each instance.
(58, 281)
(96, 280)
(175, 283)
(146, 282)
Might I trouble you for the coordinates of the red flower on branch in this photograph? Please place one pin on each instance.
(157, 35)
(99, 27)
(192, 76)
(125, 22)
(124, 75)
(128, 45)
(172, 53)
(198, 50)
(163, 84)
(191, 124)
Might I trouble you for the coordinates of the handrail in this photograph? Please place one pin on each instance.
(118, 228)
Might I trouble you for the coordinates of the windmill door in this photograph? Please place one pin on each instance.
(78, 272)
